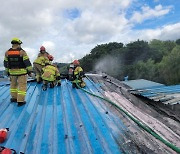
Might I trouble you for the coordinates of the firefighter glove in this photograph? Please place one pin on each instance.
(82, 74)
(58, 78)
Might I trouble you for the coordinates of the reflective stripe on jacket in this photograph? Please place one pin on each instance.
(42, 60)
(50, 73)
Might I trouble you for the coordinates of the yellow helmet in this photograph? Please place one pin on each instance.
(16, 41)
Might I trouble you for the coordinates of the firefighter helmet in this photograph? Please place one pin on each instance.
(76, 62)
(3, 134)
(50, 57)
(16, 41)
(42, 48)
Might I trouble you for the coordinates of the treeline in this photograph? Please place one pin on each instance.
(156, 60)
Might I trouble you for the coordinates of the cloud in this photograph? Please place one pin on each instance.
(98, 21)
(90, 28)
(70, 29)
(32, 53)
(50, 46)
(166, 32)
(24, 21)
(148, 13)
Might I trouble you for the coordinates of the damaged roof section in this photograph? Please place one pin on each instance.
(161, 120)
(169, 95)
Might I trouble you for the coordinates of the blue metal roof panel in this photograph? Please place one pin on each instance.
(141, 84)
(60, 120)
(165, 94)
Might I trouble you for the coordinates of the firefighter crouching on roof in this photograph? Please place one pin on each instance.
(17, 65)
(78, 75)
(39, 63)
(50, 75)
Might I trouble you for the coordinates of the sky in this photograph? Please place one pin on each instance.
(70, 29)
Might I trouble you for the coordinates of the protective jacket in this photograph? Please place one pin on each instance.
(43, 54)
(78, 72)
(41, 60)
(50, 73)
(78, 76)
(16, 62)
(71, 71)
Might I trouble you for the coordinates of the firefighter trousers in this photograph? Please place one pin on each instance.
(38, 71)
(18, 87)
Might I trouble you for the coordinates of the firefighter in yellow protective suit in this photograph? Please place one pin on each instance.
(78, 75)
(17, 65)
(40, 62)
(50, 75)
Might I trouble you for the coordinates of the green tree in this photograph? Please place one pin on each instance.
(136, 51)
(145, 70)
(170, 68)
(160, 48)
(178, 41)
(156, 61)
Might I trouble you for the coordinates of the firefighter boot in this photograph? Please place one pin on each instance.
(59, 83)
(73, 85)
(39, 80)
(13, 99)
(21, 103)
(51, 85)
(44, 87)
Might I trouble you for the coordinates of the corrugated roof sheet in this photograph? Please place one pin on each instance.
(155, 91)
(67, 120)
(4, 81)
(60, 120)
(141, 84)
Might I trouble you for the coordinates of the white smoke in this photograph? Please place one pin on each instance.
(109, 65)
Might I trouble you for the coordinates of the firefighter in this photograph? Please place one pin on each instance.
(50, 75)
(17, 65)
(39, 63)
(43, 52)
(70, 72)
(78, 75)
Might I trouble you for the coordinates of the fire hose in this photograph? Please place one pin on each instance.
(145, 127)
